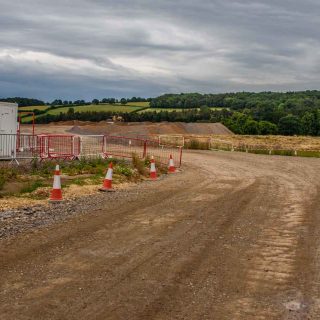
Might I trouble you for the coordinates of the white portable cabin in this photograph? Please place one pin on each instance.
(8, 129)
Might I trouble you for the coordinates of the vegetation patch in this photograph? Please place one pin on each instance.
(35, 180)
(197, 144)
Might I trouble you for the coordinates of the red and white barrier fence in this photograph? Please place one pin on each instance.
(69, 147)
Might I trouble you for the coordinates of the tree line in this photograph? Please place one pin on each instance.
(26, 102)
(238, 122)
(288, 113)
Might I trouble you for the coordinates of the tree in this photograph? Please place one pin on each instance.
(289, 125)
(251, 127)
(95, 101)
(123, 101)
(70, 111)
(311, 123)
(266, 128)
(57, 102)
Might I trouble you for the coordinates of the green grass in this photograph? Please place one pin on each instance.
(160, 109)
(138, 104)
(172, 109)
(139, 107)
(308, 153)
(35, 175)
(31, 108)
(96, 108)
(32, 186)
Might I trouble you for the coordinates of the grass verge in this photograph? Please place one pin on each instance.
(35, 179)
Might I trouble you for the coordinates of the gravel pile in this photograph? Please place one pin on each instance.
(13, 221)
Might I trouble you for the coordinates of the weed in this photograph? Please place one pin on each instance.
(30, 187)
(139, 164)
(283, 152)
(2, 182)
(306, 153)
(123, 170)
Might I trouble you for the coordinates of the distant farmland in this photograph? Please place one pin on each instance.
(31, 108)
(171, 109)
(117, 108)
(139, 107)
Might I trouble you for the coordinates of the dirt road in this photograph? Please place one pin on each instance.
(235, 236)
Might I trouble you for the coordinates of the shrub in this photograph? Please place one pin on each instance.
(123, 170)
(139, 164)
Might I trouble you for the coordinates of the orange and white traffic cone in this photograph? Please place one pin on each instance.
(107, 182)
(172, 168)
(153, 170)
(56, 193)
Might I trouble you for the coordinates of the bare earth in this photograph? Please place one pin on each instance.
(234, 236)
(216, 132)
(131, 128)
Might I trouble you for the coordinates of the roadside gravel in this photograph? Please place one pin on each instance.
(17, 220)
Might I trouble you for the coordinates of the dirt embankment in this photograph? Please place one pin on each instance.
(235, 236)
(132, 128)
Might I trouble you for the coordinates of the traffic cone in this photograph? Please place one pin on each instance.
(56, 193)
(107, 182)
(172, 168)
(153, 171)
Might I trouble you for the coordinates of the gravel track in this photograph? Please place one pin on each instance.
(234, 236)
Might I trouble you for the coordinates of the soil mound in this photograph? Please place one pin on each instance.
(149, 128)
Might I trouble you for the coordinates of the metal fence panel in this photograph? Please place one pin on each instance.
(124, 146)
(8, 144)
(58, 146)
(92, 146)
(70, 147)
(27, 146)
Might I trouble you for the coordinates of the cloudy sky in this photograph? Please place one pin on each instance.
(81, 49)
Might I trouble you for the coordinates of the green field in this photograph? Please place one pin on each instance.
(139, 107)
(129, 104)
(97, 108)
(31, 108)
(138, 104)
(170, 109)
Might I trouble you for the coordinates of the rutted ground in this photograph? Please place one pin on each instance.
(235, 236)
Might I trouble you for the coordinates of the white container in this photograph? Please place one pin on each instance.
(8, 129)
(8, 118)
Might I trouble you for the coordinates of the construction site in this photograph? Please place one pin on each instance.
(125, 222)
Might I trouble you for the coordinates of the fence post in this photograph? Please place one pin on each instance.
(180, 156)
(104, 147)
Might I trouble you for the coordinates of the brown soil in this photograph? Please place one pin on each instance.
(132, 128)
(215, 132)
(235, 236)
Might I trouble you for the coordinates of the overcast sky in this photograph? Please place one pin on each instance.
(81, 49)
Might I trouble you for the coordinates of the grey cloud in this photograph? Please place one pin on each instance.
(85, 49)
